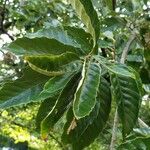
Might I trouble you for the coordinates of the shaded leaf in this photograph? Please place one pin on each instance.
(140, 143)
(89, 127)
(45, 107)
(127, 95)
(55, 85)
(61, 105)
(23, 90)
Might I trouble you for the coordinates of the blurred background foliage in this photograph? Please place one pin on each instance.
(118, 20)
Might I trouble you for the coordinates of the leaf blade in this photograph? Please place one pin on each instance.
(49, 41)
(85, 130)
(53, 65)
(61, 106)
(23, 90)
(85, 96)
(128, 98)
(88, 15)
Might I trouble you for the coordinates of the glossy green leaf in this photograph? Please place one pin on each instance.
(81, 133)
(49, 41)
(85, 96)
(23, 90)
(88, 15)
(61, 105)
(127, 95)
(53, 65)
(73, 36)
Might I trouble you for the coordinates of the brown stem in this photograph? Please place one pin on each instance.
(114, 132)
(126, 49)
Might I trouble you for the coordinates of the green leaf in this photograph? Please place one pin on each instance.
(53, 65)
(23, 90)
(55, 85)
(142, 131)
(109, 4)
(88, 15)
(45, 107)
(55, 40)
(81, 133)
(85, 96)
(61, 105)
(114, 23)
(116, 68)
(73, 36)
(127, 95)
(139, 143)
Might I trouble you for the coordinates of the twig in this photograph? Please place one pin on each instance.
(114, 131)
(126, 49)
(122, 60)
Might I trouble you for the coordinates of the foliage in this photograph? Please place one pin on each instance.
(85, 71)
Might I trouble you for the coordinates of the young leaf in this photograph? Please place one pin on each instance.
(85, 96)
(88, 15)
(23, 90)
(61, 106)
(81, 133)
(53, 65)
(126, 93)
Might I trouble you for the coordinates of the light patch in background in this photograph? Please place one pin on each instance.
(4, 39)
(1, 56)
